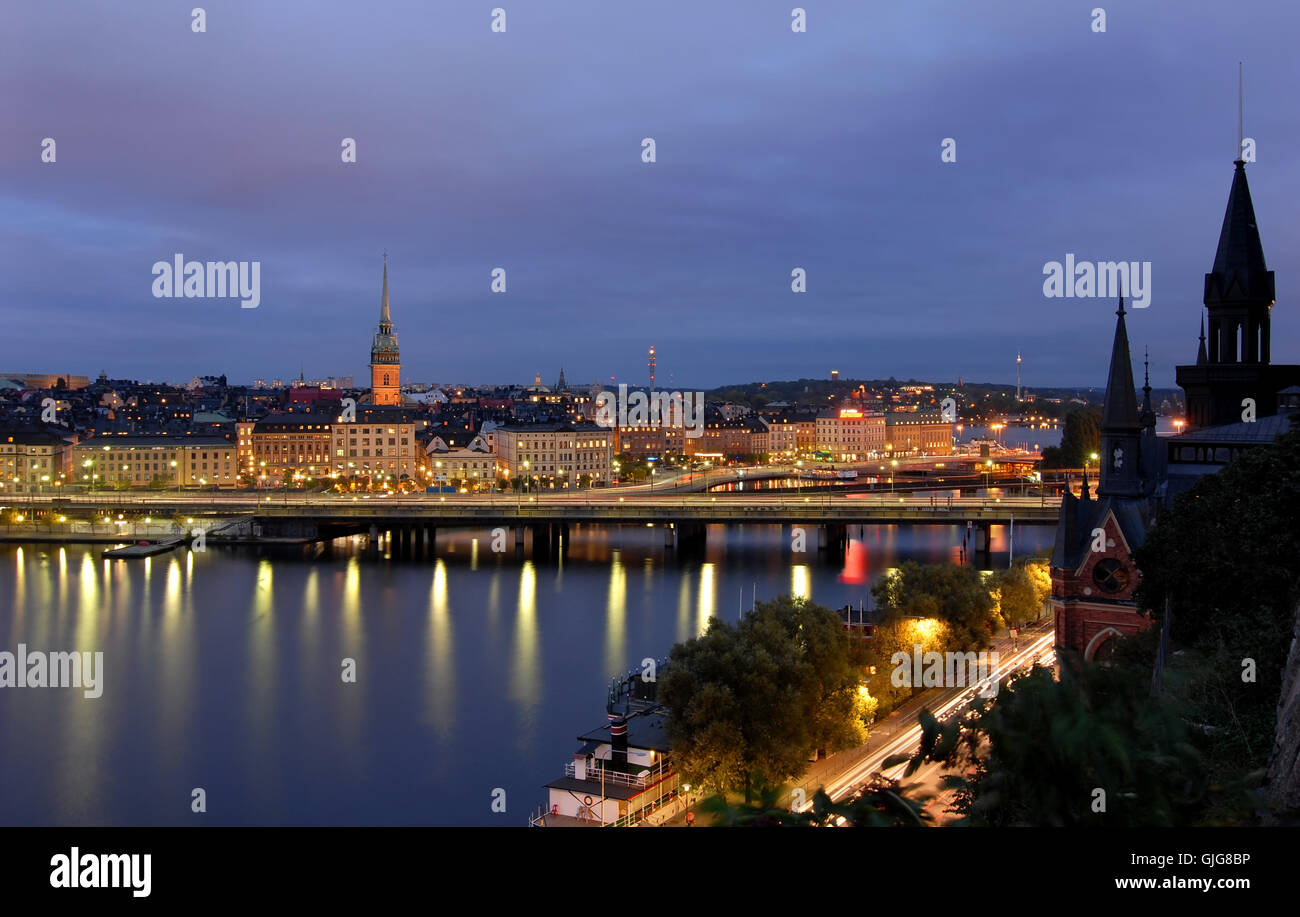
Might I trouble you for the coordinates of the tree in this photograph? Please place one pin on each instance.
(952, 594)
(750, 703)
(881, 803)
(1226, 557)
(1018, 599)
(1094, 748)
(894, 636)
(1079, 440)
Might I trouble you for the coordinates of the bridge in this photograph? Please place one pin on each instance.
(914, 471)
(414, 519)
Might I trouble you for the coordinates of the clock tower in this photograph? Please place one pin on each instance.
(385, 359)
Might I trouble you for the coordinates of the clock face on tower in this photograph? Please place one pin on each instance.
(1110, 575)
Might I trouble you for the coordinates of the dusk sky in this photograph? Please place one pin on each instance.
(522, 150)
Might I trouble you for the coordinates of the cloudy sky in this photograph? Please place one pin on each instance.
(522, 150)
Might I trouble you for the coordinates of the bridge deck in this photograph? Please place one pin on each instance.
(590, 507)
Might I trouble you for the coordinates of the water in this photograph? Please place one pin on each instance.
(1036, 438)
(475, 671)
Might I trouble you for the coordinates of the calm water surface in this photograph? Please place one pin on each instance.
(475, 671)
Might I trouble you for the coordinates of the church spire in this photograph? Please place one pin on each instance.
(1146, 382)
(1201, 358)
(1120, 407)
(1121, 425)
(385, 318)
(385, 358)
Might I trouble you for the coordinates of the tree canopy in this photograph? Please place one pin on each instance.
(954, 595)
(750, 703)
(1079, 440)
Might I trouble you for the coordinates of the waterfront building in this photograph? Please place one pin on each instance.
(381, 441)
(728, 438)
(33, 460)
(651, 440)
(850, 434)
(289, 445)
(559, 454)
(474, 464)
(154, 460)
(917, 433)
(791, 435)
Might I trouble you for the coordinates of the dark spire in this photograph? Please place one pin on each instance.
(1201, 358)
(1120, 410)
(1146, 385)
(1239, 274)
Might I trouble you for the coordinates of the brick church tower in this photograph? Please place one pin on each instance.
(385, 359)
(1093, 575)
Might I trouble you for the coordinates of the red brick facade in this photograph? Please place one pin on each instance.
(1088, 616)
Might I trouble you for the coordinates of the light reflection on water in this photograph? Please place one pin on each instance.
(475, 669)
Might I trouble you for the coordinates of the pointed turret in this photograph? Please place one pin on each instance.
(1120, 408)
(1121, 425)
(1240, 274)
(1201, 358)
(1147, 416)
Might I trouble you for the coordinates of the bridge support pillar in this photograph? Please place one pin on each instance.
(692, 536)
(541, 541)
(670, 537)
(372, 541)
(831, 538)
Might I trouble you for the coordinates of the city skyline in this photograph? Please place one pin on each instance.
(915, 268)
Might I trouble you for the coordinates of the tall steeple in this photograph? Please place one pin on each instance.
(1121, 425)
(1146, 385)
(385, 317)
(1201, 358)
(1120, 408)
(385, 357)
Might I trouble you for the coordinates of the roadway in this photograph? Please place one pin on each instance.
(592, 506)
(905, 740)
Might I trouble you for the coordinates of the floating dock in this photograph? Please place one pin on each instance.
(146, 548)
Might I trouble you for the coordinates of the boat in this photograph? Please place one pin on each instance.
(621, 774)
